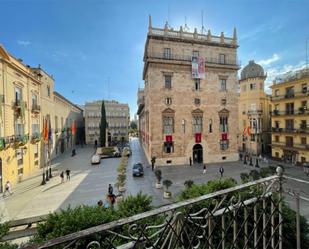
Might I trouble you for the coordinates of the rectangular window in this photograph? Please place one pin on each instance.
(168, 125)
(35, 129)
(252, 137)
(195, 54)
(224, 144)
(168, 81)
(252, 86)
(223, 84)
(18, 95)
(167, 53)
(168, 147)
(19, 129)
(289, 108)
(48, 91)
(276, 92)
(289, 124)
(277, 139)
(303, 124)
(19, 157)
(34, 100)
(210, 125)
(168, 101)
(56, 123)
(224, 124)
(289, 92)
(304, 88)
(277, 124)
(20, 171)
(303, 140)
(36, 150)
(222, 58)
(289, 141)
(197, 84)
(223, 101)
(197, 124)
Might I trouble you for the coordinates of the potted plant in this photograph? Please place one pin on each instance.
(167, 183)
(188, 183)
(120, 182)
(158, 174)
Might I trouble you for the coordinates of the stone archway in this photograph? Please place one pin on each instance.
(197, 153)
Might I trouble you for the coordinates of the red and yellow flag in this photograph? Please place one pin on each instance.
(45, 129)
(73, 128)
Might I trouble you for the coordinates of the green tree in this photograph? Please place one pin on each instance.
(103, 126)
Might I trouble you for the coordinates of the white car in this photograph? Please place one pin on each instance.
(95, 159)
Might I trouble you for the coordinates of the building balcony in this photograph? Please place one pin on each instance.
(255, 112)
(36, 137)
(188, 58)
(35, 109)
(300, 111)
(302, 94)
(290, 146)
(21, 140)
(231, 217)
(290, 130)
(19, 108)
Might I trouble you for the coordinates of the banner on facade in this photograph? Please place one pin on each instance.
(168, 138)
(224, 136)
(198, 67)
(198, 138)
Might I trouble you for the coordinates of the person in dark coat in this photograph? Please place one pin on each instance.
(67, 172)
(190, 161)
(62, 176)
(110, 189)
(221, 170)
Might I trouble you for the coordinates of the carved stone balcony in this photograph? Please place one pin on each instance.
(35, 109)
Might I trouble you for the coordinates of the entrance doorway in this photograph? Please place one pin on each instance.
(1, 184)
(197, 153)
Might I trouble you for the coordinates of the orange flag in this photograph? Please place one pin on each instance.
(45, 131)
(73, 128)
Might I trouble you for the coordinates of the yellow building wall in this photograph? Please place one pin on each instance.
(279, 102)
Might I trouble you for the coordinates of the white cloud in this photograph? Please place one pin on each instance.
(274, 58)
(273, 72)
(23, 43)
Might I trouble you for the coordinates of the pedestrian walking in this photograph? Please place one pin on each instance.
(153, 161)
(221, 170)
(306, 168)
(95, 143)
(110, 189)
(7, 189)
(204, 168)
(67, 172)
(62, 176)
(190, 161)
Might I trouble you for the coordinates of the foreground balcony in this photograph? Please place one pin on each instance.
(224, 219)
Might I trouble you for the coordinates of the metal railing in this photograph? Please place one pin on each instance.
(245, 216)
(303, 93)
(289, 112)
(179, 57)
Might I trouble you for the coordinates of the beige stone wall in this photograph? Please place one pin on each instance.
(117, 117)
(183, 94)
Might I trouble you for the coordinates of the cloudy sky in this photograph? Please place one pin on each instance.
(94, 48)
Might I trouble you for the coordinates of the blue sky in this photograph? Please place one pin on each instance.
(94, 48)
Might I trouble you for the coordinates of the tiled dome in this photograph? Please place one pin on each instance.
(252, 70)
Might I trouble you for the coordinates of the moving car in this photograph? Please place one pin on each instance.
(138, 169)
(95, 159)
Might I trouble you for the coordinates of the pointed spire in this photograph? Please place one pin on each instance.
(166, 27)
(235, 36)
(195, 33)
(208, 35)
(222, 37)
(149, 24)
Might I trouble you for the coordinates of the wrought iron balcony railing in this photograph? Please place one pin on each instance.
(188, 58)
(245, 216)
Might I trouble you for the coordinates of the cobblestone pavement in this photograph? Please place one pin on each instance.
(89, 183)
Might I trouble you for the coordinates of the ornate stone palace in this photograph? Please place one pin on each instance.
(189, 105)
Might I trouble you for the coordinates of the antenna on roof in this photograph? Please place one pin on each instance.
(186, 28)
(203, 28)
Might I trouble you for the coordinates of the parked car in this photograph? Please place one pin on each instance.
(138, 169)
(95, 159)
